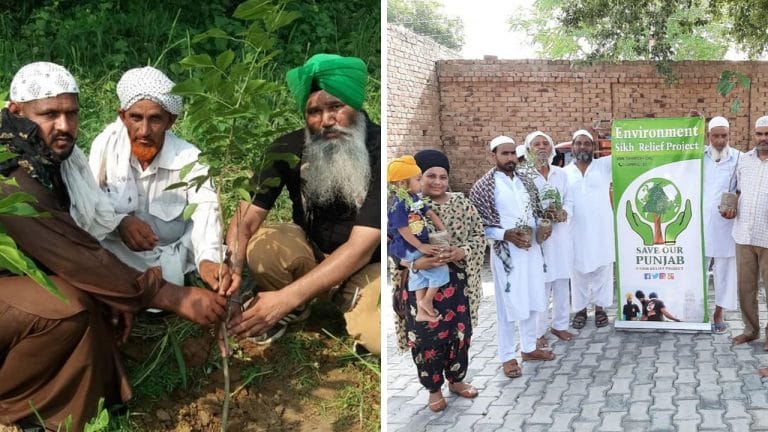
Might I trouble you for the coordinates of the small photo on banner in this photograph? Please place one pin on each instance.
(657, 166)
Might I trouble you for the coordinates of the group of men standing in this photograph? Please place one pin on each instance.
(116, 240)
(578, 257)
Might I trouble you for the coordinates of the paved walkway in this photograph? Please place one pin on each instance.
(602, 380)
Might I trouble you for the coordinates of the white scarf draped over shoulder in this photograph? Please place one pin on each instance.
(111, 166)
(89, 207)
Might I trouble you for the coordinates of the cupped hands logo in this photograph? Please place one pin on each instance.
(657, 202)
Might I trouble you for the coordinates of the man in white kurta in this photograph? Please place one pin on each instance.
(589, 182)
(558, 249)
(134, 160)
(516, 261)
(720, 176)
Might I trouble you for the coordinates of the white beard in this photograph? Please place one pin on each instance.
(717, 155)
(338, 168)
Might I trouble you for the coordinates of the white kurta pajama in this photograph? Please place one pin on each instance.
(719, 245)
(558, 256)
(592, 234)
(183, 244)
(525, 298)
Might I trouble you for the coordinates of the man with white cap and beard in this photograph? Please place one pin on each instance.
(61, 356)
(552, 183)
(720, 161)
(589, 182)
(750, 230)
(504, 204)
(333, 245)
(134, 160)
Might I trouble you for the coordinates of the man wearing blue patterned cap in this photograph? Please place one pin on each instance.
(134, 160)
(332, 246)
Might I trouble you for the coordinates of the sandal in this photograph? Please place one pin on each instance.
(438, 405)
(564, 335)
(719, 328)
(542, 343)
(511, 369)
(469, 391)
(601, 319)
(538, 354)
(579, 320)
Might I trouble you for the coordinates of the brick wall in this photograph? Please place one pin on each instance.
(413, 97)
(480, 99)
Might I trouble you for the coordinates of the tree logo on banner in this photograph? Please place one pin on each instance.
(658, 201)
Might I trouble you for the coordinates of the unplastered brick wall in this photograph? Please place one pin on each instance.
(480, 99)
(413, 100)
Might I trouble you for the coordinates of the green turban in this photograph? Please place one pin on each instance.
(343, 77)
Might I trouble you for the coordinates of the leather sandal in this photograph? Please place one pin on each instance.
(579, 320)
(564, 335)
(469, 391)
(601, 318)
(511, 369)
(438, 405)
(538, 354)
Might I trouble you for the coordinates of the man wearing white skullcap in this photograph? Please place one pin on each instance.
(504, 205)
(552, 184)
(589, 182)
(750, 230)
(134, 160)
(63, 355)
(720, 161)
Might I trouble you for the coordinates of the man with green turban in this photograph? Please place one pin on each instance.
(333, 244)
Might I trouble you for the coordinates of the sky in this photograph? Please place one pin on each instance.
(486, 30)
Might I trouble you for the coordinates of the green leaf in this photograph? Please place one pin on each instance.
(186, 169)
(244, 195)
(179, 358)
(253, 9)
(176, 185)
(725, 87)
(283, 19)
(188, 87)
(188, 211)
(16, 262)
(100, 422)
(289, 158)
(225, 59)
(4, 156)
(271, 182)
(197, 60)
(15, 198)
(212, 33)
(21, 209)
(745, 81)
(736, 105)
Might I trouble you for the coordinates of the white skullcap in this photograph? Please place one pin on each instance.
(762, 122)
(147, 83)
(41, 80)
(718, 122)
(582, 132)
(499, 140)
(531, 136)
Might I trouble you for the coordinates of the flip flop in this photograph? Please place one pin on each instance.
(438, 405)
(601, 318)
(512, 369)
(469, 391)
(719, 328)
(564, 335)
(579, 320)
(538, 354)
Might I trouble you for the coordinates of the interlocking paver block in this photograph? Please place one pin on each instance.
(712, 419)
(661, 420)
(686, 410)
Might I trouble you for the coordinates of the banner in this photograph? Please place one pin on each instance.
(657, 192)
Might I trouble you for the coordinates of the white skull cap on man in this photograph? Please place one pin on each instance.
(41, 80)
(148, 83)
(718, 122)
(762, 122)
(582, 132)
(499, 140)
(531, 136)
